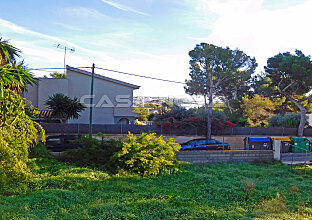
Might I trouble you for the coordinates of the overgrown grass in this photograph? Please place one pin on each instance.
(218, 191)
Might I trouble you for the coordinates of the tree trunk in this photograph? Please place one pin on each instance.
(303, 119)
(229, 106)
(235, 93)
(210, 105)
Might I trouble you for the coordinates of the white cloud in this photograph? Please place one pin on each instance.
(82, 12)
(124, 7)
(70, 27)
(259, 32)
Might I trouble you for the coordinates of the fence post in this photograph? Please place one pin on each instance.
(78, 129)
(277, 149)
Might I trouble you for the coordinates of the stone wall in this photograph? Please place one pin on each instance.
(208, 156)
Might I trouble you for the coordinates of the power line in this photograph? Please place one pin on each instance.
(147, 77)
(115, 71)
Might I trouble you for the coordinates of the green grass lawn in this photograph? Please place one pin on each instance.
(218, 191)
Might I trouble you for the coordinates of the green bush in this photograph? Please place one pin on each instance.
(146, 155)
(286, 121)
(94, 153)
(17, 133)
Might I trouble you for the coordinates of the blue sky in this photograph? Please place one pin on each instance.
(151, 37)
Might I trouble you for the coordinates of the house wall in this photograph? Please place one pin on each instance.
(77, 85)
(39, 94)
(80, 86)
(32, 95)
(48, 87)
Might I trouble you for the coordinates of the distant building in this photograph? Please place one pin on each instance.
(113, 99)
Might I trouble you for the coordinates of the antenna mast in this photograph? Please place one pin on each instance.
(72, 50)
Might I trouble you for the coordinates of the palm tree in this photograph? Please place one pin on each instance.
(8, 53)
(15, 77)
(63, 106)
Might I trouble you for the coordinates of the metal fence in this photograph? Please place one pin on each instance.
(136, 129)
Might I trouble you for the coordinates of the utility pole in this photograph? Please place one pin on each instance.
(72, 50)
(91, 101)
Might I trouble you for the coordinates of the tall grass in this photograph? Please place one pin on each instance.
(217, 191)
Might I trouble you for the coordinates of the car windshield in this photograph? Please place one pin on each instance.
(202, 141)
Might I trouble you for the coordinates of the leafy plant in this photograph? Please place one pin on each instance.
(58, 75)
(94, 152)
(290, 120)
(64, 107)
(146, 155)
(15, 77)
(8, 53)
(17, 132)
(258, 110)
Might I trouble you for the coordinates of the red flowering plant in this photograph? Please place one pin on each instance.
(190, 122)
(221, 123)
(169, 123)
(197, 120)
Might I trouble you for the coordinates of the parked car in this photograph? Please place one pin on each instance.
(204, 144)
(61, 143)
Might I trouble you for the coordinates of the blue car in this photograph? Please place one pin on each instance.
(204, 144)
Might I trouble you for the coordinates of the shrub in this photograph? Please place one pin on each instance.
(94, 153)
(286, 121)
(39, 151)
(146, 155)
(17, 132)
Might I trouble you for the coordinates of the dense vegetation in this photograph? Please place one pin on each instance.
(219, 191)
(145, 155)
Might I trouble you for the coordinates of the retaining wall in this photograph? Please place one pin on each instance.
(205, 156)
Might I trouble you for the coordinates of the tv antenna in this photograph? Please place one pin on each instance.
(65, 48)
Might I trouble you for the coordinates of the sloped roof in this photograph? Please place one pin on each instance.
(102, 77)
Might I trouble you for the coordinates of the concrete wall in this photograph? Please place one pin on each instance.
(206, 156)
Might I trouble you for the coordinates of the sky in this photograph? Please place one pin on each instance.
(151, 37)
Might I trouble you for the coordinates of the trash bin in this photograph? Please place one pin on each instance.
(300, 144)
(257, 143)
(285, 143)
(310, 144)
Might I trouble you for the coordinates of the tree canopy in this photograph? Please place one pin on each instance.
(258, 110)
(211, 67)
(291, 75)
(58, 75)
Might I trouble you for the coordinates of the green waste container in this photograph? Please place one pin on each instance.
(310, 141)
(300, 144)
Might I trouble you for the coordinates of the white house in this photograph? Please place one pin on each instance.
(112, 100)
